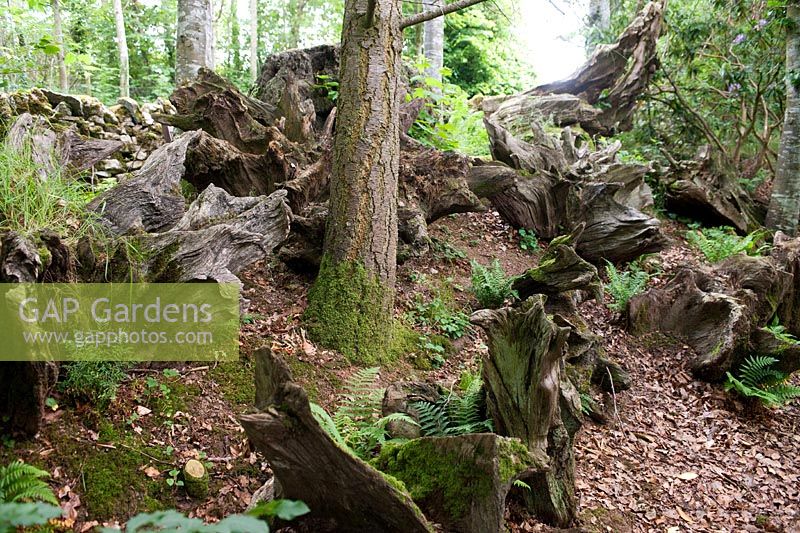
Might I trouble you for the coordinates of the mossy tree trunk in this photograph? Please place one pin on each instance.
(352, 300)
(784, 205)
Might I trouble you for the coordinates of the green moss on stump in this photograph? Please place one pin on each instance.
(347, 312)
(429, 474)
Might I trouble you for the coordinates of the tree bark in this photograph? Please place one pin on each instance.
(122, 47)
(195, 40)
(434, 41)
(253, 40)
(784, 204)
(351, 303)
(58, 34)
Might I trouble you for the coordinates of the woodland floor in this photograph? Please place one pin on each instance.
(676, 454)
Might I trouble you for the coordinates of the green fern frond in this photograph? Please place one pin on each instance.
(20, 482)
(757, 371)
(758, 379)
(327, 423)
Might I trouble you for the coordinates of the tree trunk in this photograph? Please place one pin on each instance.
(297, 12)
(58, 34)
(351, 303)
(253, 40)
(784, 205)
(434, 41)
(600, 14)
(122, 47)
(195, 46)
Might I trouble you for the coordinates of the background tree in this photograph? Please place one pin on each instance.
(784, 206)
(434, 40)
(122, 45)
(253, 40)
(195, 39)
(58, 33)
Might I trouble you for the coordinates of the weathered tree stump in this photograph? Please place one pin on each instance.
(721, 311)
(529, 398)
(343, 492)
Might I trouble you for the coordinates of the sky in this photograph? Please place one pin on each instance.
(548, 37)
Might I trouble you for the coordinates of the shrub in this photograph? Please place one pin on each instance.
(94, 381)
(490, 285)
(528, 240)
(720, 243)
(21, 482)
(357, 425)
(455, 414)
(758, 379)
(624, 285)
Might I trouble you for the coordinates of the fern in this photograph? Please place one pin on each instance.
(357, 425)
(624, 285)
(454, 414)
(758, 379)
(21, 482)
(490, 285)
(720, 243)
(781, 333)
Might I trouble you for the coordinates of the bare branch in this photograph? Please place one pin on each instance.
(425, 16)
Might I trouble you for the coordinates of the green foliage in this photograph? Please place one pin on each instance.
(781, 333)
(23, 515)
(624, 285)
(31, 201)
(357, 425)
(446, 251)
(758, 379)
(480, 50)
(527, 240)
(455, 414)
(437, 314)
(490, 285)
(329, 86)
(21, 482)
(94, 381)
(720, 243)
(718, 84)
(283, 509)
(448, 121)
(175, 522)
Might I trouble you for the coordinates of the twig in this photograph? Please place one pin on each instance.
(614, 398)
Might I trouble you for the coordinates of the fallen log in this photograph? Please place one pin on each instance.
(612, 231)
(50, 150)
(343, 492)
(559, 270)
(213, 104)
(697, 189)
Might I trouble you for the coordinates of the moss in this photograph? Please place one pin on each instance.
(117, 488)
(347, 312)
(430, 474)
(237, 381)
(514, 458)
(305, 373)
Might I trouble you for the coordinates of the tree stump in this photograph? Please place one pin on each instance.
(461, 482)
(343, 492)
(529, 398)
